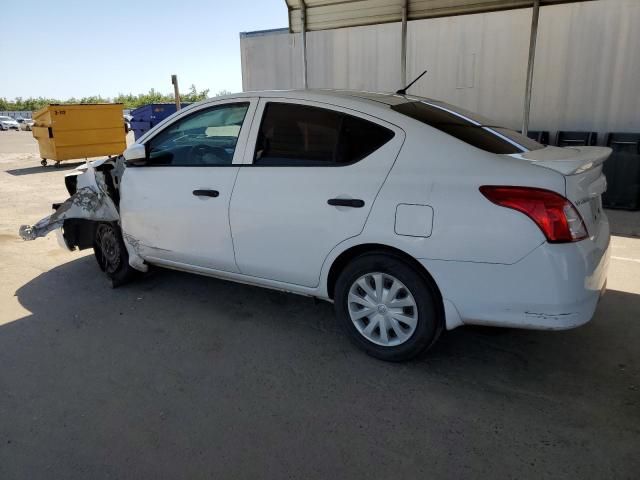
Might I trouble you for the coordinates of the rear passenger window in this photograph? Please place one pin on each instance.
(299, 135)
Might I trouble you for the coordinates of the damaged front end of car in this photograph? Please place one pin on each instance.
(95, 199)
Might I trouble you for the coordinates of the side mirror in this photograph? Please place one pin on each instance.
(135, 155)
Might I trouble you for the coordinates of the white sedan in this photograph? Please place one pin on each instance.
(411, 215)
(8, 123)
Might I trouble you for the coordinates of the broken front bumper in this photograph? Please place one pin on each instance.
(88, 203)
(91, 200)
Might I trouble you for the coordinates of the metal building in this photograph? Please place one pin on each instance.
(587, 59)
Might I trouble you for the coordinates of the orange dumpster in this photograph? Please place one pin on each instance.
(74, 131)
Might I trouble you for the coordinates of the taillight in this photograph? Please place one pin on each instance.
(555, 215)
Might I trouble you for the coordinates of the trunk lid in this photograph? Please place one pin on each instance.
(584, 180)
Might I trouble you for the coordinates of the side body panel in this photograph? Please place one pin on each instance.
(436, 170)
(162, 216)
(165, 221)
(282, 226)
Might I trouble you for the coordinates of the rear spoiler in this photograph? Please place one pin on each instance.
(568, 160)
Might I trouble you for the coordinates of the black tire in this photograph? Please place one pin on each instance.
(111, 254)
(427, 299)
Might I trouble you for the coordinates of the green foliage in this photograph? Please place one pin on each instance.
(129, 100)
(20, 103)
(194, 95)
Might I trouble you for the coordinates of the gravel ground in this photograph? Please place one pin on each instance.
(179, 376)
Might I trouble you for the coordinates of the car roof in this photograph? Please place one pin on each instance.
(371, 98)
(372, 103)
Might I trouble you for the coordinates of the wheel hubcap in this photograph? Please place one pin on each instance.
(382, 309)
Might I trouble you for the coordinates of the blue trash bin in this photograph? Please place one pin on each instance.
(148, 116)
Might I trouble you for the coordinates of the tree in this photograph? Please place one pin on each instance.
(194, 95)
(129, 100)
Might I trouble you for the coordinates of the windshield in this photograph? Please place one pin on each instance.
(467, 126)
(4, 119)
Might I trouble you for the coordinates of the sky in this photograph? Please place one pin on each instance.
(77, 48)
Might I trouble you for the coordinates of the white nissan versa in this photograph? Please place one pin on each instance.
(411, 215)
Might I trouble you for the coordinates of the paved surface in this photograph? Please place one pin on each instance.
(178, 376)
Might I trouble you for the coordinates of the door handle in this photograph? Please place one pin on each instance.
(346, 202)
(206, 193)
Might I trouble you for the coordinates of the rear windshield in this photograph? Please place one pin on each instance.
(468, 127)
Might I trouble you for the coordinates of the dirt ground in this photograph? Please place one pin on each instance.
(179, 376)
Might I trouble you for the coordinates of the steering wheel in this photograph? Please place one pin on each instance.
(202, 154)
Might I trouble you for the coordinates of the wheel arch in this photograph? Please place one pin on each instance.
(342, 260)
(79, 233)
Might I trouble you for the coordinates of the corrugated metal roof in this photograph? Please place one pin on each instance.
(329, 14)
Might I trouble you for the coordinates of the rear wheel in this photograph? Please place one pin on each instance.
(111, 254)
(387, 308)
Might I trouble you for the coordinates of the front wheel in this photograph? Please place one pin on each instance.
(387, 308)
(111, 254)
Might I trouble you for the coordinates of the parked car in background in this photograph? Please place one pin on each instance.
(25, 123)
(411, 215)
(8, 123)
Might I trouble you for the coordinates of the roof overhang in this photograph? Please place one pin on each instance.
(330, 14)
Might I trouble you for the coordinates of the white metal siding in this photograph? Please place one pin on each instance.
(355, 57)
(587, 69)
(271, 61)
(487, 51)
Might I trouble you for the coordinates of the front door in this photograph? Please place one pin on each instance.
(174, 206)
(312, 173)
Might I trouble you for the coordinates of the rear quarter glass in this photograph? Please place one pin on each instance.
(467, 127)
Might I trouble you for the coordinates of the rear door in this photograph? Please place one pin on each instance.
(311, 175)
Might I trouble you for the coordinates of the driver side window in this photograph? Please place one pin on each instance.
(204, 138)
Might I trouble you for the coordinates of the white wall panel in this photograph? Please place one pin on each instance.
(477, 62)
(587, 74)
(587, 69)
(271, 60)
(358, 58)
